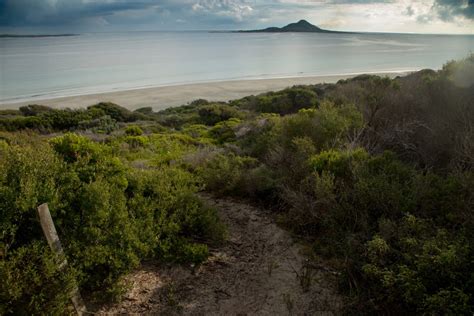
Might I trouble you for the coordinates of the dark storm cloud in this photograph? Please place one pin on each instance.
(73, 12)
(65, 12)
(85, 15)
(58, 12)
(448, 10)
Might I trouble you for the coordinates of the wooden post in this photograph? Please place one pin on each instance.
(53, 240)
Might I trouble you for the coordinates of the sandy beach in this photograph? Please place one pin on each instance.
(168, 96)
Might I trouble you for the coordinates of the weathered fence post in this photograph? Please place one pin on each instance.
(53, 240)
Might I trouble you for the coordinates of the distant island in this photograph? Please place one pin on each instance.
(35, 35)
(302, 26)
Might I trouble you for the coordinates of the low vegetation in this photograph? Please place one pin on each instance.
(375, 173)
(111, 211)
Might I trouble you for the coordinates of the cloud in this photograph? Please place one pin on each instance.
(458, 12)
(361, 1)
(424, 18)
(360, 15)
(334, 1)
(409, 11)
(235, 10)
(448, 10)
(81, 12)
(60, 12)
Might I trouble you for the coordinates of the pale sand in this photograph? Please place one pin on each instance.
(168, 96)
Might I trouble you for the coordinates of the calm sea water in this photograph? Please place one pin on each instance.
(62, 66)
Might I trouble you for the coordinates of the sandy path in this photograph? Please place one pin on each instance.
(258, 271)
(163, 97)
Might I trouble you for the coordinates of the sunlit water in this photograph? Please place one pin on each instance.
(61, 66)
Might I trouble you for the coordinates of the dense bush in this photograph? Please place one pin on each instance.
(282, 102)
(118, 113)
(405, 235)
(34, 109)
(33, 284)
(101, 125)
(420, 267)
(133, 130)
(378, 174)
(329, 125)
(145, 110)
(215, 113)
(224, 173)
(108, 217)
(423, 117)
(10, 112)
(99, 118)
(225, 131)
(21, 123)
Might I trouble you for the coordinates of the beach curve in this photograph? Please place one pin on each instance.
(162, 97)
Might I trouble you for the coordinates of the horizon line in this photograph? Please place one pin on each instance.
(49, 34)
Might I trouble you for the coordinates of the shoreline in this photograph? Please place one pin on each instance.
(165, 96)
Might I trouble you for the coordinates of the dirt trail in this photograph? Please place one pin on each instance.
(258, 271)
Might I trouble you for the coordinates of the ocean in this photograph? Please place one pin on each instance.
(38, 68)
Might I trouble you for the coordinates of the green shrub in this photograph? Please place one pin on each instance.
(137, 141)
(224, 131)
(10, 112)
(47, 119)
(109, 217)
(312, 205)
(215, 113)
(198, 131)
(103, 124)
(384, 187)
(33, 284)
(258, 183)
(460, 72)
(256, 137)
(118, 113)
(28, 178)
(74, 148)
(22, 123)
(65, 120)
(170, 148)
(133, 130)
(147, 110)
(273, 103)
(357, 206)
(224, 174)
(169, 213)
(34, 109)
(326, 126)
(283, 102)
(338, 163)
(423, 269)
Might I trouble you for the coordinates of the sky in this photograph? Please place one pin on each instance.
(63, 16)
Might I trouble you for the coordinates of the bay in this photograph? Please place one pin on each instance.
(104, 62)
